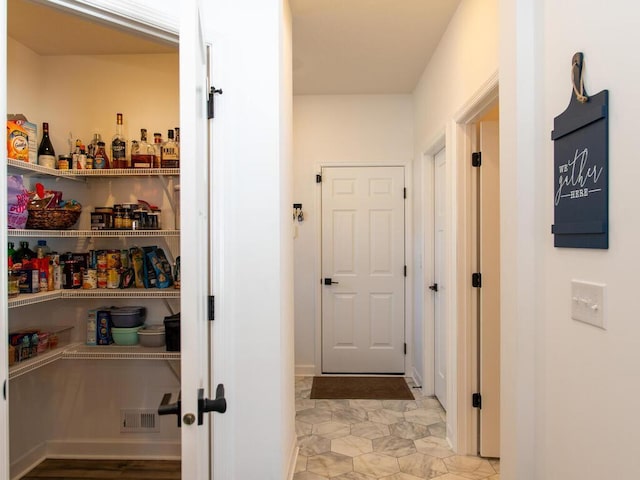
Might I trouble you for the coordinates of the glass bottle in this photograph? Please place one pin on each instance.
(24, 255)
(119, 146)
(142, 153)
(101, 160)
(170, 158)
(46, 153)
(157, 149)
(10, 253)
(93, 146)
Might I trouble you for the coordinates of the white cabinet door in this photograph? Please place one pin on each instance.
(4, 322)
(440, 317)
(363, 270)
(195, 252)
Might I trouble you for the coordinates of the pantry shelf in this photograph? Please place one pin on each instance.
(21, 233)
(39, 170)
(25, 299)
(80, 351)
(35, 363)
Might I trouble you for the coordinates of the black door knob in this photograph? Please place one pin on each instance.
(328, 281)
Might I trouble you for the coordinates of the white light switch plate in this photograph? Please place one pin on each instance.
(587, 302)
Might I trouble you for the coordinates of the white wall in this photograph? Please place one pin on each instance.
(330, 130)
(585, 378)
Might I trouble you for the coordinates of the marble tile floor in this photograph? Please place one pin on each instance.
(379, 439)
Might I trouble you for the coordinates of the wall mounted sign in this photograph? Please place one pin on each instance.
(581, 167)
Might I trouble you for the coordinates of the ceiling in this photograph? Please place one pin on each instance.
(339, 46)
(365, 46)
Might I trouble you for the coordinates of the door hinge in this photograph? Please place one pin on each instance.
(476, 280)
(476, 159)
(476, 401)
(318, 178)
(212, 308)
(405, 270)
(404, 192)
(4, 389)
(212, 92)
(405, 348)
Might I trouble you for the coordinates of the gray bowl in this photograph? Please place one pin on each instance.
(127, 317)
(152, 336)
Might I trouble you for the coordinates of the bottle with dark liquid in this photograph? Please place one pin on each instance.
(46, 154)
(142, 153)
(119, 146)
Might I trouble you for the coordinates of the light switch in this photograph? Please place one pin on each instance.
(587, 302)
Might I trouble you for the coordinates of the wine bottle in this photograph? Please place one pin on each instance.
(119, 146)
(46, 154)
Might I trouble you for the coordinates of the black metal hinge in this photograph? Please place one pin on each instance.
(405, 348)
(212, 308)
(4, 389)
(476, 400)
(212, 92)
(476, 280)
(318, 178)
(404, 192)
(405, 270)
(476, 159)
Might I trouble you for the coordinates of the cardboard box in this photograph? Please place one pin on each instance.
(19, 121)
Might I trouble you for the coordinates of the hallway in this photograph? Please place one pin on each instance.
(374, 439)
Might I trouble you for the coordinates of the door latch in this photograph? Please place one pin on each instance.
(205, 405)
(434, 287)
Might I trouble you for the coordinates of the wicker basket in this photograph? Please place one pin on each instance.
(53, 218)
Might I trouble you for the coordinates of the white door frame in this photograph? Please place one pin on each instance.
(462, 422)
(408, 253)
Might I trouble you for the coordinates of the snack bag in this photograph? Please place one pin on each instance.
(17, 201)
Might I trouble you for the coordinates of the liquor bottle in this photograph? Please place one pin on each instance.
(157, 148)
(170, 158)
(24, 255)
(119, 146)
(46, 154)
(142, 153)
(10, 253)
(101, 160)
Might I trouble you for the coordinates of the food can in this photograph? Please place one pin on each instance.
(102, 278)
(90, 279)
(113, 278)
(113, 259)
(64, 162)
(101, 260)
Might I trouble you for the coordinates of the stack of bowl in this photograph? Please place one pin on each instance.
(126, 322)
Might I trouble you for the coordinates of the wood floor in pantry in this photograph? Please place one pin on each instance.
(105, 469)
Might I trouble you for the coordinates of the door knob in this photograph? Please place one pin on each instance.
(434, 287)
(167, 408)
(328, 281)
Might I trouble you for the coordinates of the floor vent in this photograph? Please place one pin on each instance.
(138, 421)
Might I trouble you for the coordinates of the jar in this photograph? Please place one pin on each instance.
(13, 288)
(64, 162)
(127, 222)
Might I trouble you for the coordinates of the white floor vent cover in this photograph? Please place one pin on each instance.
(138, 421)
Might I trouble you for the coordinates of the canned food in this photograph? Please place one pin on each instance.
(113, 259)
(101, 260)
(90, 279)
(113, 278)
(102, 278)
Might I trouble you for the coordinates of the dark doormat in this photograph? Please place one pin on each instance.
(369, 388)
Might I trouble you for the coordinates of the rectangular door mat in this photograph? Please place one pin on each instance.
(370, 388)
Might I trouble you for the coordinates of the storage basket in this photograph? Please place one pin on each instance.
(53, 218)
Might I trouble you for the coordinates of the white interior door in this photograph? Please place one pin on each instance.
(194, 183)
(489, 334)
(4, 322)
(363, 270)
(440, 325)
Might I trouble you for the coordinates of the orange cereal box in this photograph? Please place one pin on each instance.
(17, 141)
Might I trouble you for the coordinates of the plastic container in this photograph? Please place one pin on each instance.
(152, 336)
(127, 317)
(172, 332)
(125, 336)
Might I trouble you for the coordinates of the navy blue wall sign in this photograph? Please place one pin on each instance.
(581, 168)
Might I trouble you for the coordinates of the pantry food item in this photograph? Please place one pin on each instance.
(17, 142)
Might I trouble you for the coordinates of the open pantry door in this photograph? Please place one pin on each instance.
(4, 367)
(197, 396)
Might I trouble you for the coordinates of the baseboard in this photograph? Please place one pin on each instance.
(114, 448)
(293, 461)
(29, 460)
(305, 370)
